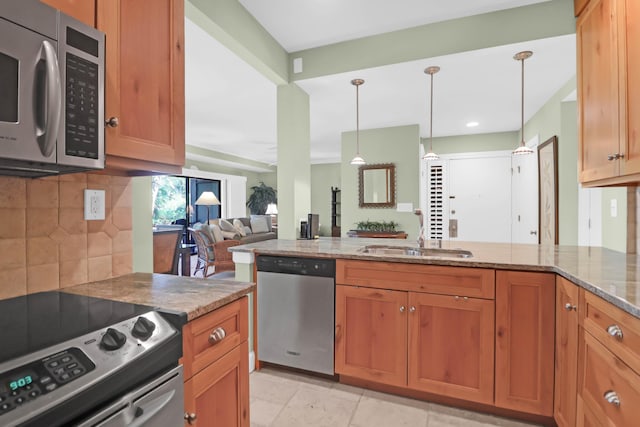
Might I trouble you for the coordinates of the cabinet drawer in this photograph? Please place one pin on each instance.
(616, 329)
(602, 377)
(201, 347)
(435, 279)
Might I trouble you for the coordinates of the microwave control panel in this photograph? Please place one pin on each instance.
(81, 107)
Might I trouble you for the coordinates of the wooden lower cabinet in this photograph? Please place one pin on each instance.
(566, 368)
(371, 334)
(609, 389)
(451, 342)
(216, 367)
(219, 394)
(525, 341)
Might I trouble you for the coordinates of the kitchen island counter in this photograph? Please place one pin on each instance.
(612, 275)
(193, 296)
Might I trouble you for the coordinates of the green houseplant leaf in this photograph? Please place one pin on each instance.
(260, 198)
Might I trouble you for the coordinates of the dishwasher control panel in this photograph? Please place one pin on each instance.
(299, 266)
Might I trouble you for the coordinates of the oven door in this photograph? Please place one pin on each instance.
(30, 94)
(158, 403)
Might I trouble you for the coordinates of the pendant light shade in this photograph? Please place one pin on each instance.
(522, 148)
(431, 155)
(357, 160)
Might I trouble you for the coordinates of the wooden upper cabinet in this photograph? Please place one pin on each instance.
(371, 334)
(566, 368)
(451, 342)
(144, 87)
(82, 10)
(579, 5)
(525, 341)
(598, 105)
(608, 84)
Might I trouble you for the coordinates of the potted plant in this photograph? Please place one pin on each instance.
(260, 198)
(384, 226)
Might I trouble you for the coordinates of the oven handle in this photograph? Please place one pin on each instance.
(47, 134)
(145, 412)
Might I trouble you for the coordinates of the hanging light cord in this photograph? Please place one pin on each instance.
(522, 103)
(358, 119)
(431, 118)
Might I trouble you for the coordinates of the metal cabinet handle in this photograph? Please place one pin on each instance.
(464, 298)
(615, 156)
(217, 335)
(615, 331)
(570, 307)
(412, 309)
(612, 397)
(402, 308)
(190, 417)
(113, 122)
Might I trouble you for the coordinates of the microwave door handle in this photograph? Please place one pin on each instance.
(49, 99)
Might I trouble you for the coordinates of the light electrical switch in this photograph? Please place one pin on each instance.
(614, 208)
(94, 205)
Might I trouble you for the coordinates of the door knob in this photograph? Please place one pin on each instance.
(113, 122)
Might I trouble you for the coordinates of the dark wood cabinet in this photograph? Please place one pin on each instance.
(335, 212)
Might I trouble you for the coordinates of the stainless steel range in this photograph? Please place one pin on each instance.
(67, 359)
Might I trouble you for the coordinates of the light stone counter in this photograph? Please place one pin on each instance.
(612, 275)
(193, 296)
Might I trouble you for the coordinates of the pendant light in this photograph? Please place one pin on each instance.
(431, 155)
(522, 148)
(357, 160)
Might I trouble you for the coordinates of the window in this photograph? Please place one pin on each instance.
(174, 200)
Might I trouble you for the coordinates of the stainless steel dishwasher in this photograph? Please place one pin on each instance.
(296, 305)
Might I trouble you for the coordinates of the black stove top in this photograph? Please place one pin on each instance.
(37, 321)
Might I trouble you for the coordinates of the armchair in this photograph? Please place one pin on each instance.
(212, 254)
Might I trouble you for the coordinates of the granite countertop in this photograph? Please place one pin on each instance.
(612, 275)
(193, 296)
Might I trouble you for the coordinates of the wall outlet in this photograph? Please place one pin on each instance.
(94, 205)
(614, 208)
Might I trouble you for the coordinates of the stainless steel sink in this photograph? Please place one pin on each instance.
(413, 251)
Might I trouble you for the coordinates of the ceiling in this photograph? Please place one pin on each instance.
(231, 108)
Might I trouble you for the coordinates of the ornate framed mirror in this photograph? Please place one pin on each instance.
(377, 186)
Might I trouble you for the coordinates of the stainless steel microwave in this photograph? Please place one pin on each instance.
(51, 91)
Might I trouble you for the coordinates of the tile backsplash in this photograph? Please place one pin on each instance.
(46, 244)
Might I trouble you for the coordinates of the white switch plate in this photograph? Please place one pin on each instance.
(297, 65)
(93, 205)
(614, 208)
(404, 207)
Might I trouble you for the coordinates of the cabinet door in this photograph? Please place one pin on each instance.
(629, 17)
(371, 334)
(144, 86)
(598, 103)
(524, 341)
(579, 5)
(451, 343)
(82, 10)
(566, 369)
(219, 394)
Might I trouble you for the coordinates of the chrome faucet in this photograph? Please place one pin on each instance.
(421, 238)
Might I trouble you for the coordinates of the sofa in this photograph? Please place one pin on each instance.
(247, 229)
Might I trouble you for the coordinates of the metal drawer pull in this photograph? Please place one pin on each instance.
(412, 309)
(402, 309)
(190, 417)
(570, 307)
(612, 397)
(615, 331)
(217, 335)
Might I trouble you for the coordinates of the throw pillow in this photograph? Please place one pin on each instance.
(230, 235)
(247, 230)
(259, 225)
(206, 231)
(237, 224)
(226, 225)
(217, 234)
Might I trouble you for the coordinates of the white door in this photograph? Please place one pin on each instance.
(524, 199)
(480, 198)
(589, 216)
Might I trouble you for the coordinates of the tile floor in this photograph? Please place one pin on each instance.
(285, 399)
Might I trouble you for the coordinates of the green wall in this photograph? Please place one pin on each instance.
(398, 145)
(142, 216)
(614, 230)
(323, 177)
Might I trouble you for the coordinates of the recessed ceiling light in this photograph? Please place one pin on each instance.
(472, 124)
